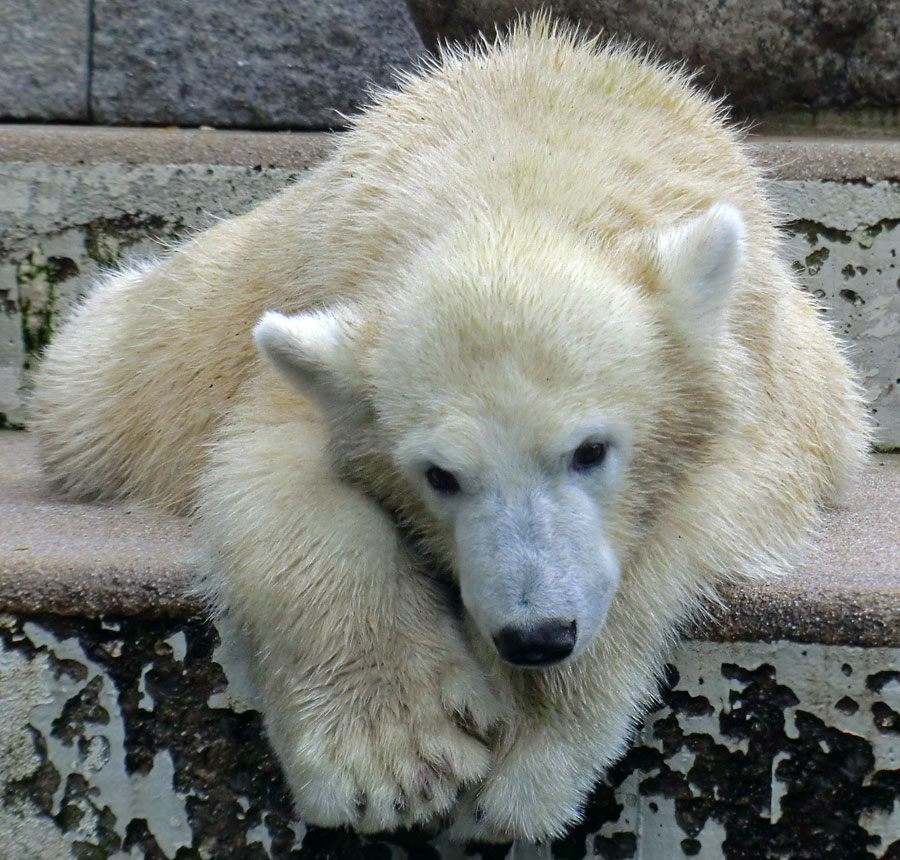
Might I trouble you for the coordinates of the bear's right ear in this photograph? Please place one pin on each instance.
(311, 350)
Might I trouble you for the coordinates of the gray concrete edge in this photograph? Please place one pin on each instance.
(822, 157)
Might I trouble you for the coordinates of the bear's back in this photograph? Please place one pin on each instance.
(599, 138)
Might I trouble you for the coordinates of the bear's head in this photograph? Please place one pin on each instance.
(525, 400)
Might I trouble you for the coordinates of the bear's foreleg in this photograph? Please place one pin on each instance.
(373, 703)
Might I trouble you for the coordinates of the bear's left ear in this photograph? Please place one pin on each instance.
(311, 350)
(698, 261)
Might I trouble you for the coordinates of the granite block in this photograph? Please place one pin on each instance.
(44, 59)
(769, 55)
(254, 64)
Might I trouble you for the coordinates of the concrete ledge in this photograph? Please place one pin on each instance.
(92, 560)
(86, 560)
(91, 144)
(828, 157)
(819, 157)
(846, 590)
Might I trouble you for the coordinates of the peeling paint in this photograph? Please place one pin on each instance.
(844, 242)
(756, 750)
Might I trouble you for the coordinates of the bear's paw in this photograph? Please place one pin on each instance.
(535, 792)
(399, 755)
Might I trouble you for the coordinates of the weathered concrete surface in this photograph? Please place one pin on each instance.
(809, 157)
(254, 64)
(844, 243)
(846, 588)
(822, 157)
(769, 54)
(135, 738)
(44, 59)
(90, 560)
(295, 65)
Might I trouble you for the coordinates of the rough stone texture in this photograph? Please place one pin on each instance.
(769, 54)
(53, 144)
(254, 64)
(128, 738)
(846, 588)
(44, 59)
(825, 157)
(92, 560)
(815, 157)
(89, 560)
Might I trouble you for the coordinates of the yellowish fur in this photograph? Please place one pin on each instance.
(450, 219)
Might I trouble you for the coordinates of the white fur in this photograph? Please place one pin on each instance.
(526, 246)
(699, 260)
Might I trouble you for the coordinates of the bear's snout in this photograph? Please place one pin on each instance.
(539, 644)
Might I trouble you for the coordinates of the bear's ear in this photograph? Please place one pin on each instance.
(698, 261)
(311, 350)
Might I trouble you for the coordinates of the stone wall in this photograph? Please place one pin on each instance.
(282, 64)
(779, 57)
(251, 64)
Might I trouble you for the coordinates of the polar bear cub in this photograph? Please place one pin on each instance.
(530, 381)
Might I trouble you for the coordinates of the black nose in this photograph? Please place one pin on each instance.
(538, 644)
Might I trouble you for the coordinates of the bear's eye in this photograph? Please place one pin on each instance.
(442, 481)
(588, 455)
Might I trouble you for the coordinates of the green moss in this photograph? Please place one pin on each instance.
(36, 280)
(86, 851)
(812, 230)
(101, 247)
(106, 238)
(69, 818)
(37, 328)
(6, 424)
(867, 236)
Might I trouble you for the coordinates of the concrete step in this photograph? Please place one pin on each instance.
(128, 731)
(77, 199)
